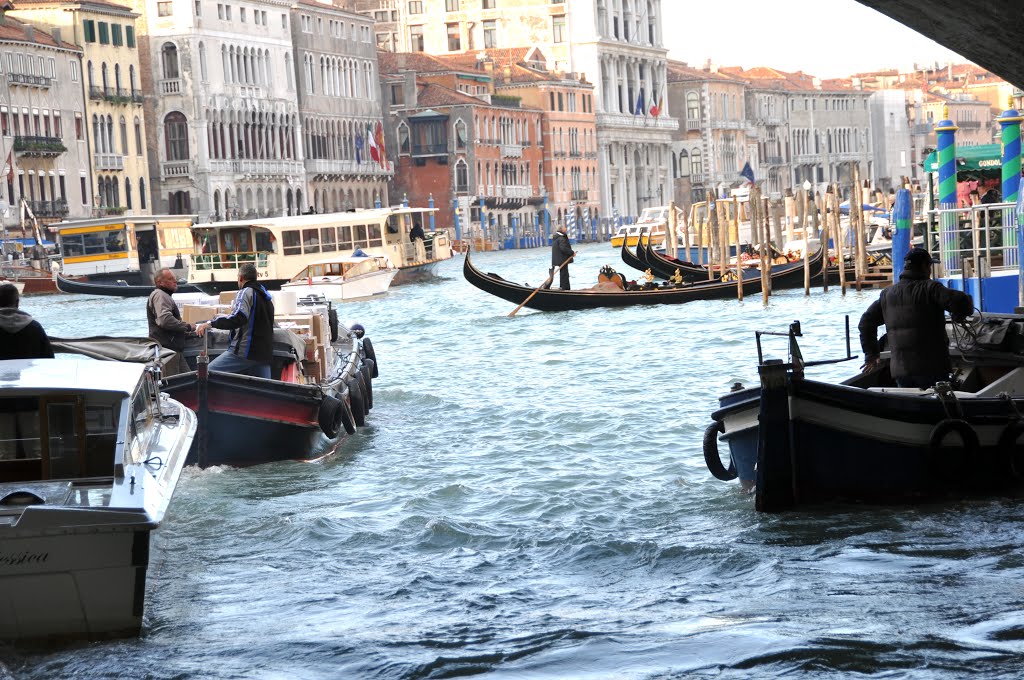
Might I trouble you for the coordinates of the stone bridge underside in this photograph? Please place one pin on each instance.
(988, 32)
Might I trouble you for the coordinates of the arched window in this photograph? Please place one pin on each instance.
(117, 78)
(142, 193)
(460, 135)
(202, 61)
(404, 145)
(104, 79)
(461, 176)
(692, 106)
(138, 137)
(169, 59)
(92, 75)
(128, 193)
(176, 136)
(131, 78)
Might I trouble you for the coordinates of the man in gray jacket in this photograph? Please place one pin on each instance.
(165, 324)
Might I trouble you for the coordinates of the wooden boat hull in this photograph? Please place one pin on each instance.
(555, 300)
(66, 285)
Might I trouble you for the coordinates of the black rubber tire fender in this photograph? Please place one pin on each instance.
(356, 401)
(332, 322)
(371, 355)
(367, 371)
(347, 418)
(711, 457)
(961, 427)
(331, 416)
(1008, 446)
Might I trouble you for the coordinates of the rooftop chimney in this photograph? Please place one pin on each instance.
(55, 32)
(30, 33)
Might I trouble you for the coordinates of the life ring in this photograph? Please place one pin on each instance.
(356, 402)
(711, 457)
(331, 416)
(367, 371)
(961, 427)
(371, 355)
(1008, 446)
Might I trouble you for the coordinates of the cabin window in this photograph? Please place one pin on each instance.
(375, 237)
(360, 235)
(333, 269)
(292, 242)
(236, 242)
(310, 241)
(345, 238)
(316, 270)
(327, 239)
(264, 241)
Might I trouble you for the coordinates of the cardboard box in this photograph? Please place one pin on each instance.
(311, 347)
(227, 297)
(194, 314)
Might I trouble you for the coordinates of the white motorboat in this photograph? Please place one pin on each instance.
(344, 278)
(90, 454)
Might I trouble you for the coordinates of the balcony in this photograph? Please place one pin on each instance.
(57, 208)
(968, 124)
(580, 195)
(727, 124)
(118, 95)
(921, 129)
(172, 169)
(429, 150)
(693, 124)
(773, 160)
(511, 151)
(109, 161)
(26, 79)
(515, 191)
(769, 121)
(39, 147)
(696, 179)
(575, 154)
(137, 97)
(257, 168)
(625, 120)
(326, 168)
(170, 86)
(95, 92)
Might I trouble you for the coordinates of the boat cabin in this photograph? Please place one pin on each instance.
(344, 268)
(123, 245)
(282, 247)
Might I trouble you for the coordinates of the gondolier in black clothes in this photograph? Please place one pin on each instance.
(165, 324)
(913, 312)
(21, 336)
(251, 323)
(560, 252)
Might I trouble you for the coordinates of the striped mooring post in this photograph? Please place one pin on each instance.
(949, 239)
(1010, 121)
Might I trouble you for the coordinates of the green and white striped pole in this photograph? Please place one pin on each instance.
(1010, 123)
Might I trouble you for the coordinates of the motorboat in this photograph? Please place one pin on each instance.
(650, 227)
(90, 454)
(794, 441)
(344, 278)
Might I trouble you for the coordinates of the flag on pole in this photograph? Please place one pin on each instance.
(372, 139)
(379, 141)
(657, 107)
(639, 104)
(747, 172)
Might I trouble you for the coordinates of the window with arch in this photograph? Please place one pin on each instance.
(142, 193)
(117, 78)
(461, 177)
(169, 60)
(404, 145)
(692, 106)
(176, 136)
(91, 74)
(104, 79)
(131, 78)
(202, 62)
(124, 136)
(696, 163)
(128, 193)
(138, 137)
(460, 135)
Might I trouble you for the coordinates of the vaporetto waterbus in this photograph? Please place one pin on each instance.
(280, 247)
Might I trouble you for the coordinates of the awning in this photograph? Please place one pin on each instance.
(980, 157)
(28, 242)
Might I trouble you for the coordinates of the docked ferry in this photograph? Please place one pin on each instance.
(281, 247)
(651, 226)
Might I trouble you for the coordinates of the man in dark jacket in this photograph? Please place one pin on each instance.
(913, 312)
(21, 336)
(561, 253)
(251, 323)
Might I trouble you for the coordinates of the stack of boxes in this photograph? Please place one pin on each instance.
(311, 323)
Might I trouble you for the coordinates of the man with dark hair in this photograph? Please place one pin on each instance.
(251, 322)
(21, 336)
(913, 311)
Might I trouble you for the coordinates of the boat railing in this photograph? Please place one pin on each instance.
(976, 240)
(208, 261)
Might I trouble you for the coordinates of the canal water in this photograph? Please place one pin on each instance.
(529, 500)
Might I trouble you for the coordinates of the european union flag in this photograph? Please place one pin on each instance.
(748, 172)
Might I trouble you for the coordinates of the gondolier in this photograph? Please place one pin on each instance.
(561, 254)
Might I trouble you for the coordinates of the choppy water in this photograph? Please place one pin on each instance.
(530, 501)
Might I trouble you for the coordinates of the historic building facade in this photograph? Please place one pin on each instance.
(113, 97)
(223, 120)
(42, 122)
(339, 100)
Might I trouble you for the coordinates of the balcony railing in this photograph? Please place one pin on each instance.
(95, 92)
(324, 166)
(514, 191)
(773, 160)
(512, 150)
(39, 146)
(258, 168)
(176, 169)
(26, 79)
(968, 124)
(137, 96)
(430, 150)
(57, 208)
(109, 161)
(696, 178)
(625, 120)
(692, 123)
(579, 194)
(170, 86)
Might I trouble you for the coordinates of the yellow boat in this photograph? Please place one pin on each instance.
(652, 224)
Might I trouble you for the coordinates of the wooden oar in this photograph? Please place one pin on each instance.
(547, 281)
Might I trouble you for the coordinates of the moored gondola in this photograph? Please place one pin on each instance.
(556, 300)
(112, 289)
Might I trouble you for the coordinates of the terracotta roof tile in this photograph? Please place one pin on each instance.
(13, 30)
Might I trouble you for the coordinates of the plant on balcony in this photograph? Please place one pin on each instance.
(505, 100)
(39, 146)
(114, 210)
(118, 99)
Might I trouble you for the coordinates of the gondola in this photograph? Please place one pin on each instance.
(556, 300)
(688, 271)
(113, 289)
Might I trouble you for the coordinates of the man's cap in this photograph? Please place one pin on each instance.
(917, 257)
